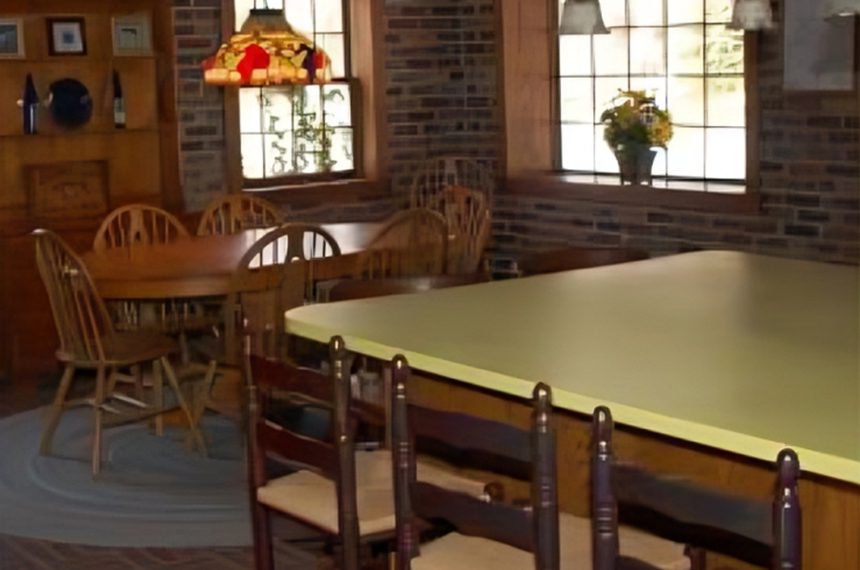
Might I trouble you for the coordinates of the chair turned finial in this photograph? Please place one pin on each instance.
(336, 345)
(604, 506)
(400, 362)
(542, 398)
(602, 426)
(788, 467)
(787, 526)
(542, 393)
(340, 361)
(399, 375)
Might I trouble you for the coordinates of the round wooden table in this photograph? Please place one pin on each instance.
(203, 266)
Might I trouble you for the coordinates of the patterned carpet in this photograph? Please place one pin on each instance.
(29, 554)
(151, 492)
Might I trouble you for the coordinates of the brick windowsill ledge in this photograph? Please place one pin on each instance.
(711, 197)
(323, 192)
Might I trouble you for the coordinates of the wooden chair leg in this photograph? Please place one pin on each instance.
(200, 398)
(174, 384)
(98, 401)
(263, 556)
(56, 410)
(158, 396)
(184, 351)
(205, 388)
(696, 556)
(137, 374)
(112, 378)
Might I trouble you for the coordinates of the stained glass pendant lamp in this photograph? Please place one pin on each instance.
(752, 15)
(267, 51)
(841, 8)
(581, 17)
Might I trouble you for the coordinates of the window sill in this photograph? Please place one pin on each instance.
(711, 197)
(311, 194)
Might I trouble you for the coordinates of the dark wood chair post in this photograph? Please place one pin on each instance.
(604, 513)
(407, 539)
(787, 537)
(544, 481)
(263, 559)
(527, 455)
(347, 513)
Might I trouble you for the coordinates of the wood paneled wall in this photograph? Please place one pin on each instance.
(140, 159)
(136, 163)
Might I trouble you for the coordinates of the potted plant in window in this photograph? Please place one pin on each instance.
(634, 124)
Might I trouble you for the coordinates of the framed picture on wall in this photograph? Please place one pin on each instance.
(66, 36)
(11, 37)
(132, 34)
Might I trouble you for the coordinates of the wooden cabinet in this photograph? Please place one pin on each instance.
(139, 161)
(68, 179)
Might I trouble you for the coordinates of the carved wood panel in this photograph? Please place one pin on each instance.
(67, 189)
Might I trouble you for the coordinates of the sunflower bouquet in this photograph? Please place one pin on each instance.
(635, 121)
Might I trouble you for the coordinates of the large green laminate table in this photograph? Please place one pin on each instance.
(739, 352)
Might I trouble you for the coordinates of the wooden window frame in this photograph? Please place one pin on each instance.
(366, 68)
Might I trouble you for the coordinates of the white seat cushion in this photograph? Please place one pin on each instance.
(312, 498)
(455, 551)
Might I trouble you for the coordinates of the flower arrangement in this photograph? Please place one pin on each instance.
(635, 121)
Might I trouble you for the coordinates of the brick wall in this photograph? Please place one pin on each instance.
(442, 95)
(197, 24)
(810, 189)
(442, 92)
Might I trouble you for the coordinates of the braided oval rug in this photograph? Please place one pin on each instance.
(151, 491)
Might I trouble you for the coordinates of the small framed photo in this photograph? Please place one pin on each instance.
(66, 36)
(11, 38)
(132, 34)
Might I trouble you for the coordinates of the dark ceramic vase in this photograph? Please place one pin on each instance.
(635, 164)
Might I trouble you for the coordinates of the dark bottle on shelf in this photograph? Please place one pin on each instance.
(30, 106)
(118, 103)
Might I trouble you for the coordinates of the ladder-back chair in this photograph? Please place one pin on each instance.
(232, 213)
(764, 533)
(88, 340)
(538, 537)
(340, 490)
(323, 493)
(468, 218)
(436, 174)
(489, 534)
(412, 243)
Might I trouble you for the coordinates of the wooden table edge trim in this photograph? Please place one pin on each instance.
(822, 464)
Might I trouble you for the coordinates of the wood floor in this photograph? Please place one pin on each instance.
(29, 554)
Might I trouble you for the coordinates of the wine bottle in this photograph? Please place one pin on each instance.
(118, 103)
(30, 105)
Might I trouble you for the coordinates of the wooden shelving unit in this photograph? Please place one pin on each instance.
(68, 179)
(141, 159)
